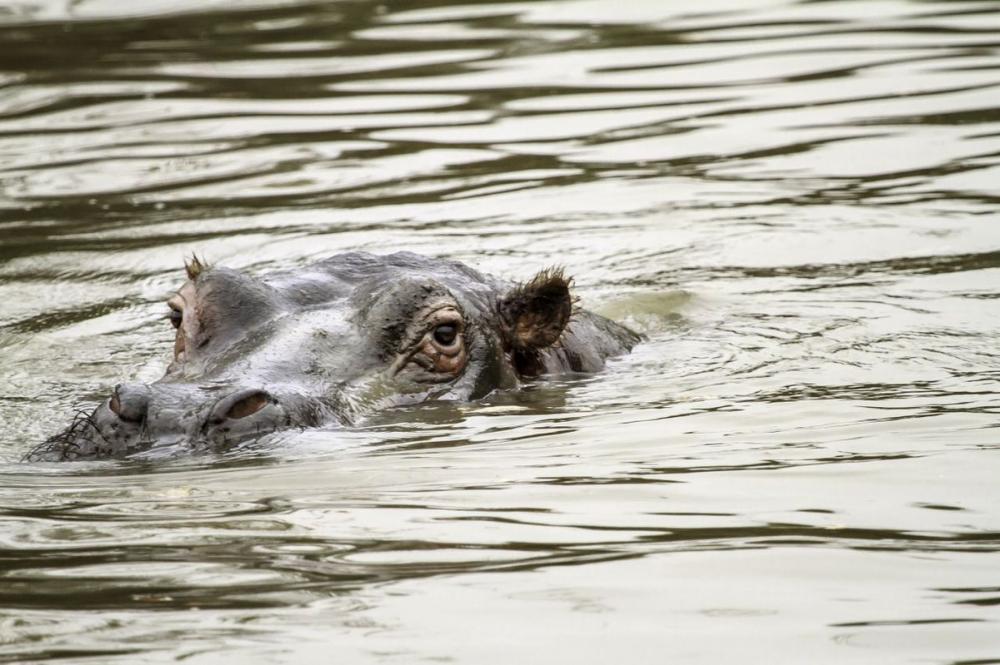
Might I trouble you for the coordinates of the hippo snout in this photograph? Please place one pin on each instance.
(139, 417)
(164, 410)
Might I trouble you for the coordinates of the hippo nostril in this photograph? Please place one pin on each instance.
(130, 402)
(247, 406)
(242, 404)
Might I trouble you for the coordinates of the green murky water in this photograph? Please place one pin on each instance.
(796, 201)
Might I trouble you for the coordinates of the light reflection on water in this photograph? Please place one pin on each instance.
(795, 202)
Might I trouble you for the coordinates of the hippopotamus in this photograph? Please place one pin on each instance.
(334, 342)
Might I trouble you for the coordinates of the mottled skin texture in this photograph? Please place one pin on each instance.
(334, 342)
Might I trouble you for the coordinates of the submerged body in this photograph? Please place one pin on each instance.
(335, 341)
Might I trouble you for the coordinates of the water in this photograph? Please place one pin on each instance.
(795, 202)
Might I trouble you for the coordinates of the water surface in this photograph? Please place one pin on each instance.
(797, 202)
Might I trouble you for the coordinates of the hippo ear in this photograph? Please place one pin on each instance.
(194, 267)
(535, 313)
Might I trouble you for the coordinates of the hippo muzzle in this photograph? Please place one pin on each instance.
(139, 417)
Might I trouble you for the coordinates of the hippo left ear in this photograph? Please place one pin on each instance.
(534, 314)
(194, 267)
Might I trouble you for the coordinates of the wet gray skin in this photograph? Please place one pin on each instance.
(334, 342)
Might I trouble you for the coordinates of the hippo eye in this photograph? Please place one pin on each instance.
(439, 353)
(445, 334)
(176, 317)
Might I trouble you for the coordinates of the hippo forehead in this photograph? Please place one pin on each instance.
(364, 277)
(379, 293)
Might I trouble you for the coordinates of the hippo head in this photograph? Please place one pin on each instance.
(332, 343)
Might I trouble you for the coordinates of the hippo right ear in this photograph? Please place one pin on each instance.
(533, 315)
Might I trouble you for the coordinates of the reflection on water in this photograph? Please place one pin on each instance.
(796, 202)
